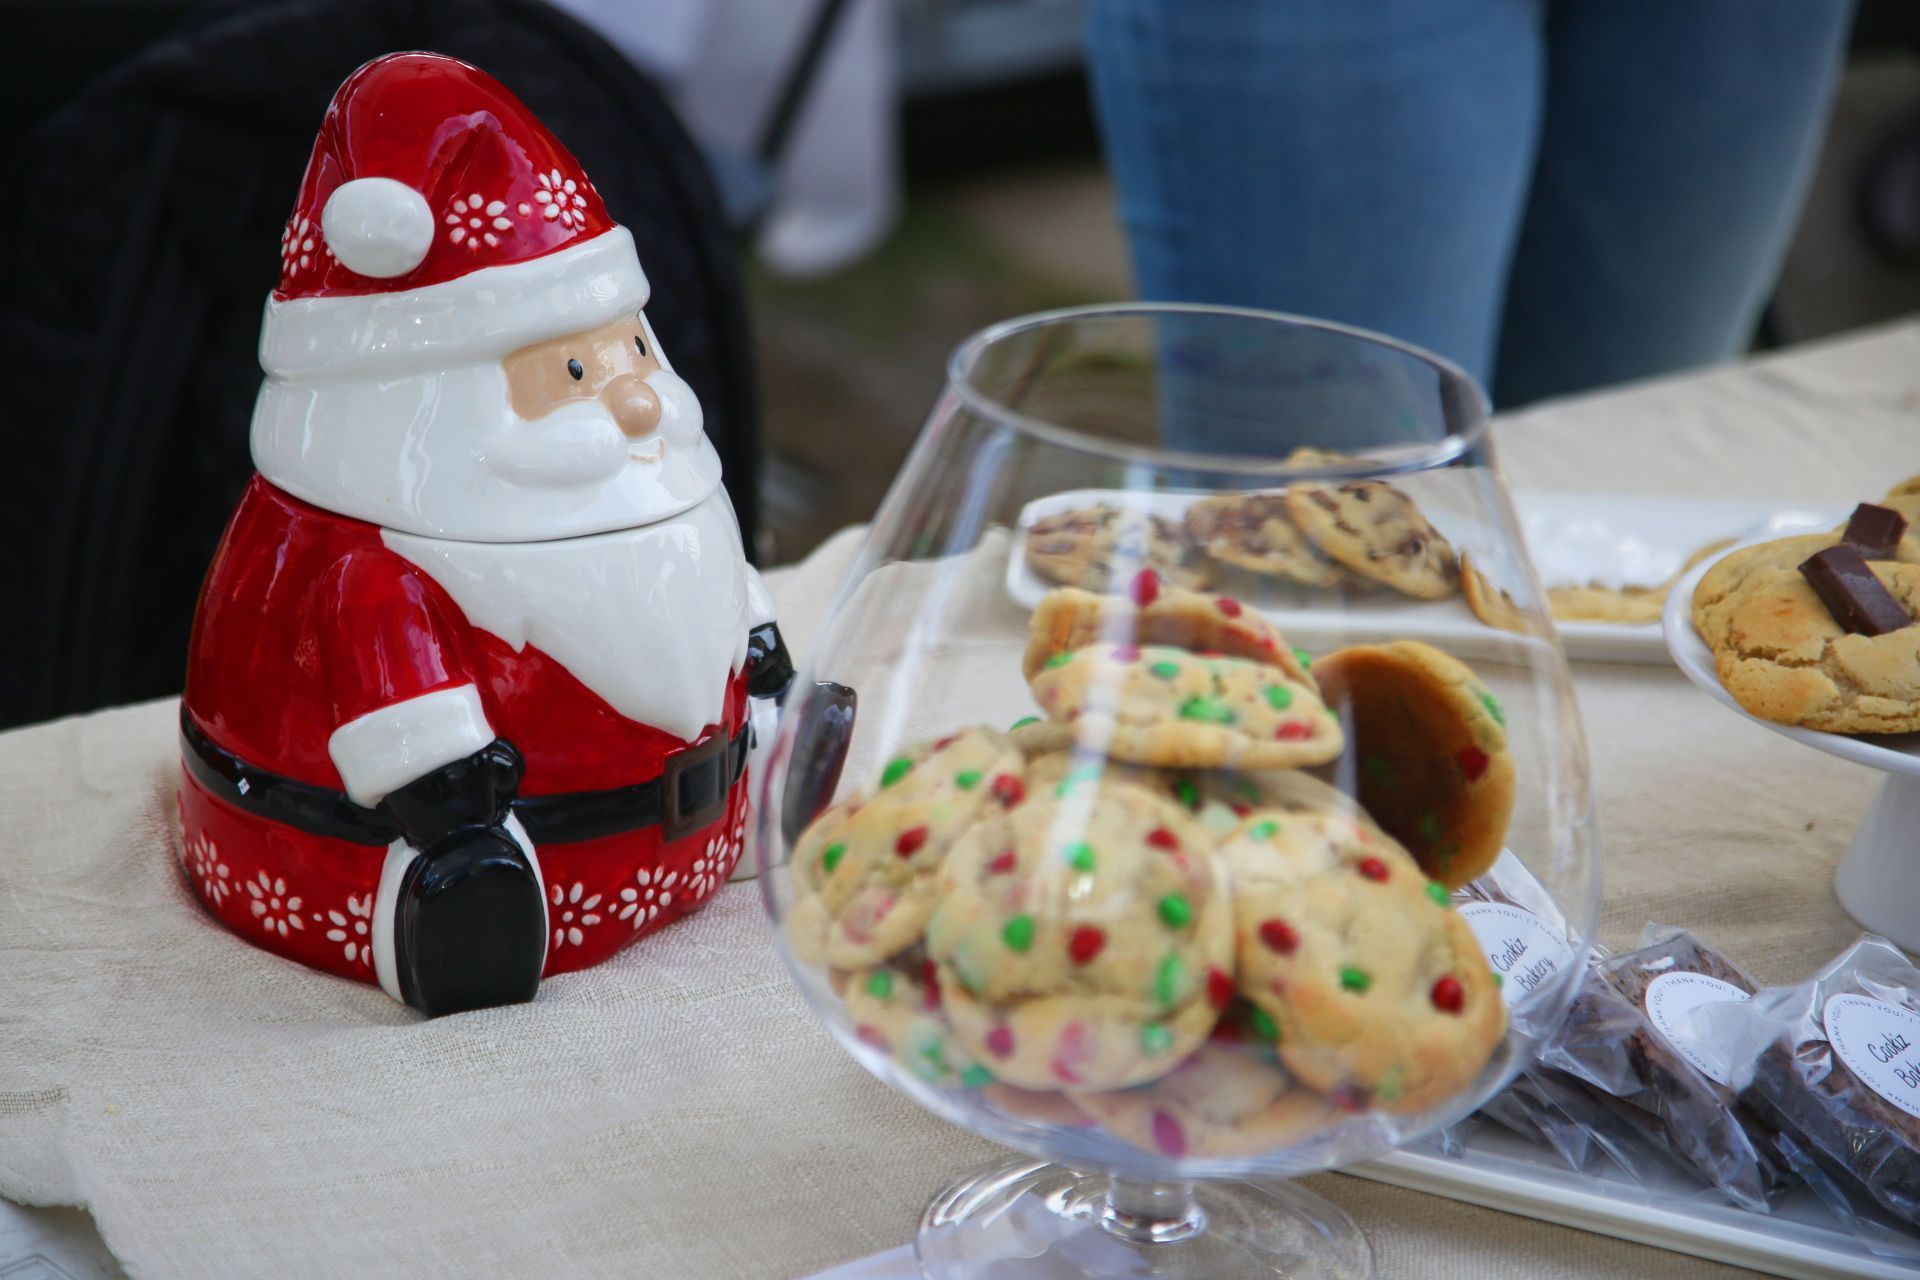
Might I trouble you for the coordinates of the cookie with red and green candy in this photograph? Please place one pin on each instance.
(896, 1009)
(1223, 1101)
(1377, 993)
(870, 864)
(1153, 613)
(1427, 752)
(1158, 705)
(1084, 937)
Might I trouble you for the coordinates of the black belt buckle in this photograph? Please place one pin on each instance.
(693, 788)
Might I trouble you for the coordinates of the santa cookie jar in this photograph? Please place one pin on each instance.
(469, 691)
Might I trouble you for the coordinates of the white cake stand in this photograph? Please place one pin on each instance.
(1879, 879)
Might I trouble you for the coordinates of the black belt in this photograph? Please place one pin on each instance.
(690, 793)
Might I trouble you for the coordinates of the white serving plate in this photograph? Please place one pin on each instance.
(1500, 1170)
(1878, 880)
(1573, 538)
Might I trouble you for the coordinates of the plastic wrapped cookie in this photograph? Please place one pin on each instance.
(1084, 938)
(1159, 705)
(896, 1009)
(1379, 994)
(1225, 1100)
(867, 869)
(1154, 614)
(1428, 750)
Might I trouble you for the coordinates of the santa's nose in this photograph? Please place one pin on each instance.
(633, 404)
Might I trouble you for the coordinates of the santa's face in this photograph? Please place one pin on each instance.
(587, 405)
(519, 448)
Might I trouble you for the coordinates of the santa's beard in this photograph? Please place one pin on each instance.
(581, 444)
(654, 620)
(442, 454)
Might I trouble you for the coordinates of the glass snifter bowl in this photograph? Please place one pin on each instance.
(1192, 676)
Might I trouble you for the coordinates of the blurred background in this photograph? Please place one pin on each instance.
(827, 195)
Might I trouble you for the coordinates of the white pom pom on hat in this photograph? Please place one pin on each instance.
(377, 227)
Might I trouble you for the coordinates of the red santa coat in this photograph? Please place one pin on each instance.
(307, 622)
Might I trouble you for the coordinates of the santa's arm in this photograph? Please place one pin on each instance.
(769, 668)
(412, 739)
(406, 708)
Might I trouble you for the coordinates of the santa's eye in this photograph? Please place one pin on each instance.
(574, 367)
(639, 346)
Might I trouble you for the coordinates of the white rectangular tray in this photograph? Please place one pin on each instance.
(1572, 537)
(1800, 1239)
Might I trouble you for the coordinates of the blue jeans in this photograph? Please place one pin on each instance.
(1553, 193)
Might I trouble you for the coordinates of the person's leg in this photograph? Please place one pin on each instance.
(1361, 162)
(1678, 140)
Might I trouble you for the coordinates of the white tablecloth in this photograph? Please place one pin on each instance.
(678, 1112)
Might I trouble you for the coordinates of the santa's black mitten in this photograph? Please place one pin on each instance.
(769, 669)
(472, 793)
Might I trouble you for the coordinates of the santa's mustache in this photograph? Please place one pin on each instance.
(580, 443)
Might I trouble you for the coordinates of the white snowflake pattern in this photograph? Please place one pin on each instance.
(571, 916)
(715, 863)
(272, 906)
(203, 859)
(298, 243)
(654, 894)
(474, 221)
(351, 929)
(560, 198)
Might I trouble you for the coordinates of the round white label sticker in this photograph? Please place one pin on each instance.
(1671, 1000)
(1880, 1043)
(1523, 949)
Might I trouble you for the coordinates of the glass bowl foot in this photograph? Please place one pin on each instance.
(1030, 1220)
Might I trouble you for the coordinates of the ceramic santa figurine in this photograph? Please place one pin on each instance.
(469, 692)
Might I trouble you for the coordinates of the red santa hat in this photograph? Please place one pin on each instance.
(439, 220)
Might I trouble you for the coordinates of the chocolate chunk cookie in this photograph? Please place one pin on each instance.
(1783, 657)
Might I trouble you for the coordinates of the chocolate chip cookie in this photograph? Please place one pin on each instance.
(1378, 532)
(1252, 531)
(1103, 546)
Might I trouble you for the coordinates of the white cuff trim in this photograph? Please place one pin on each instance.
(386, 749)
